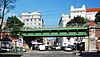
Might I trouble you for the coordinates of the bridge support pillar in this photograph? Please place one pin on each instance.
(86, 43)
(92, 44)
(92, 40)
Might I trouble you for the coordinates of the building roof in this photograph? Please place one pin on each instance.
(92, 9)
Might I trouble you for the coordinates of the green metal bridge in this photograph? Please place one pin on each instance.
(56, 32)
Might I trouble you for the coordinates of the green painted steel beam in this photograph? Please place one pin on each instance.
(54, 34)
(45, 32)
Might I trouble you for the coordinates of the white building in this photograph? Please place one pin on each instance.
(3, 24)
(88, 13)
(74, 12)
(63, 21)
(32, 20)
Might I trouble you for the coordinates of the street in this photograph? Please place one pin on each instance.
(57, 54)
(36, 53)
(48, 54)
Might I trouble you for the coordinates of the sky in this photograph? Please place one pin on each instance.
(51, 10)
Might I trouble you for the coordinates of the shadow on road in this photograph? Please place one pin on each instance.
(9, 56)
(91, 54)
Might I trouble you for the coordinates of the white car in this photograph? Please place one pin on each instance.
(42, 47)
(67, 49)
(24, 50)
(58, 48)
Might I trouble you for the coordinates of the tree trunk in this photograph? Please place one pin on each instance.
(2, 17)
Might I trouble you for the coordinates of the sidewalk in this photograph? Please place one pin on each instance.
(49, 52)
(90, 54)
(14, 54)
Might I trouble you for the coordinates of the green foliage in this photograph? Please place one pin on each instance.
(97, 19)
(14, 25)
(78, 21)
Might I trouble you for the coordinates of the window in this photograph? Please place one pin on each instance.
(39, 19)
(35, 19)
(31, 19)
(74, 12)
(80, 11)
(23, 20)
(39, 23)
(64, 43)
(26, 23)
(26, 19)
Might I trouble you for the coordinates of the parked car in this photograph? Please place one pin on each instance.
(70, 48)
(58, 48)
(67, 49)
(5, 47)
(42, 47)
(23, 49)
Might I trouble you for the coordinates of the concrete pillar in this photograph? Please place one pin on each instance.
(86, 43)
(92, 40)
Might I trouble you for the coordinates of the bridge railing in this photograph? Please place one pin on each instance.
(57, 26)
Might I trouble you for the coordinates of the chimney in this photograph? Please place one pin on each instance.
(72, 8)
(83, 6)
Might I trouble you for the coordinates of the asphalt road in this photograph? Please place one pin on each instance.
(53, 54)
(58, 54)
(48, 54)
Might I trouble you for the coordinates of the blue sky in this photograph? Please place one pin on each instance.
(51, 10)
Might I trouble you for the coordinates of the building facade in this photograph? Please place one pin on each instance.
(74, 12)
(32, 20)
(88, 13)
(91, 12)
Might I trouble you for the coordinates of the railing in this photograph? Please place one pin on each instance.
(57, 26)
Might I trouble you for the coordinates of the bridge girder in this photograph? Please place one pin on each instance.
(55, 32)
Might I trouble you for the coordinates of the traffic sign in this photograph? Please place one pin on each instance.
(20, 40)
(15, 39)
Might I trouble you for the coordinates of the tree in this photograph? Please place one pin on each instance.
(5, 6)
(97, 19)
(14, 25)
(77, 21)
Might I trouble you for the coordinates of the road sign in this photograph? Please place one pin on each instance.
(15, 39)
(19, 40)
